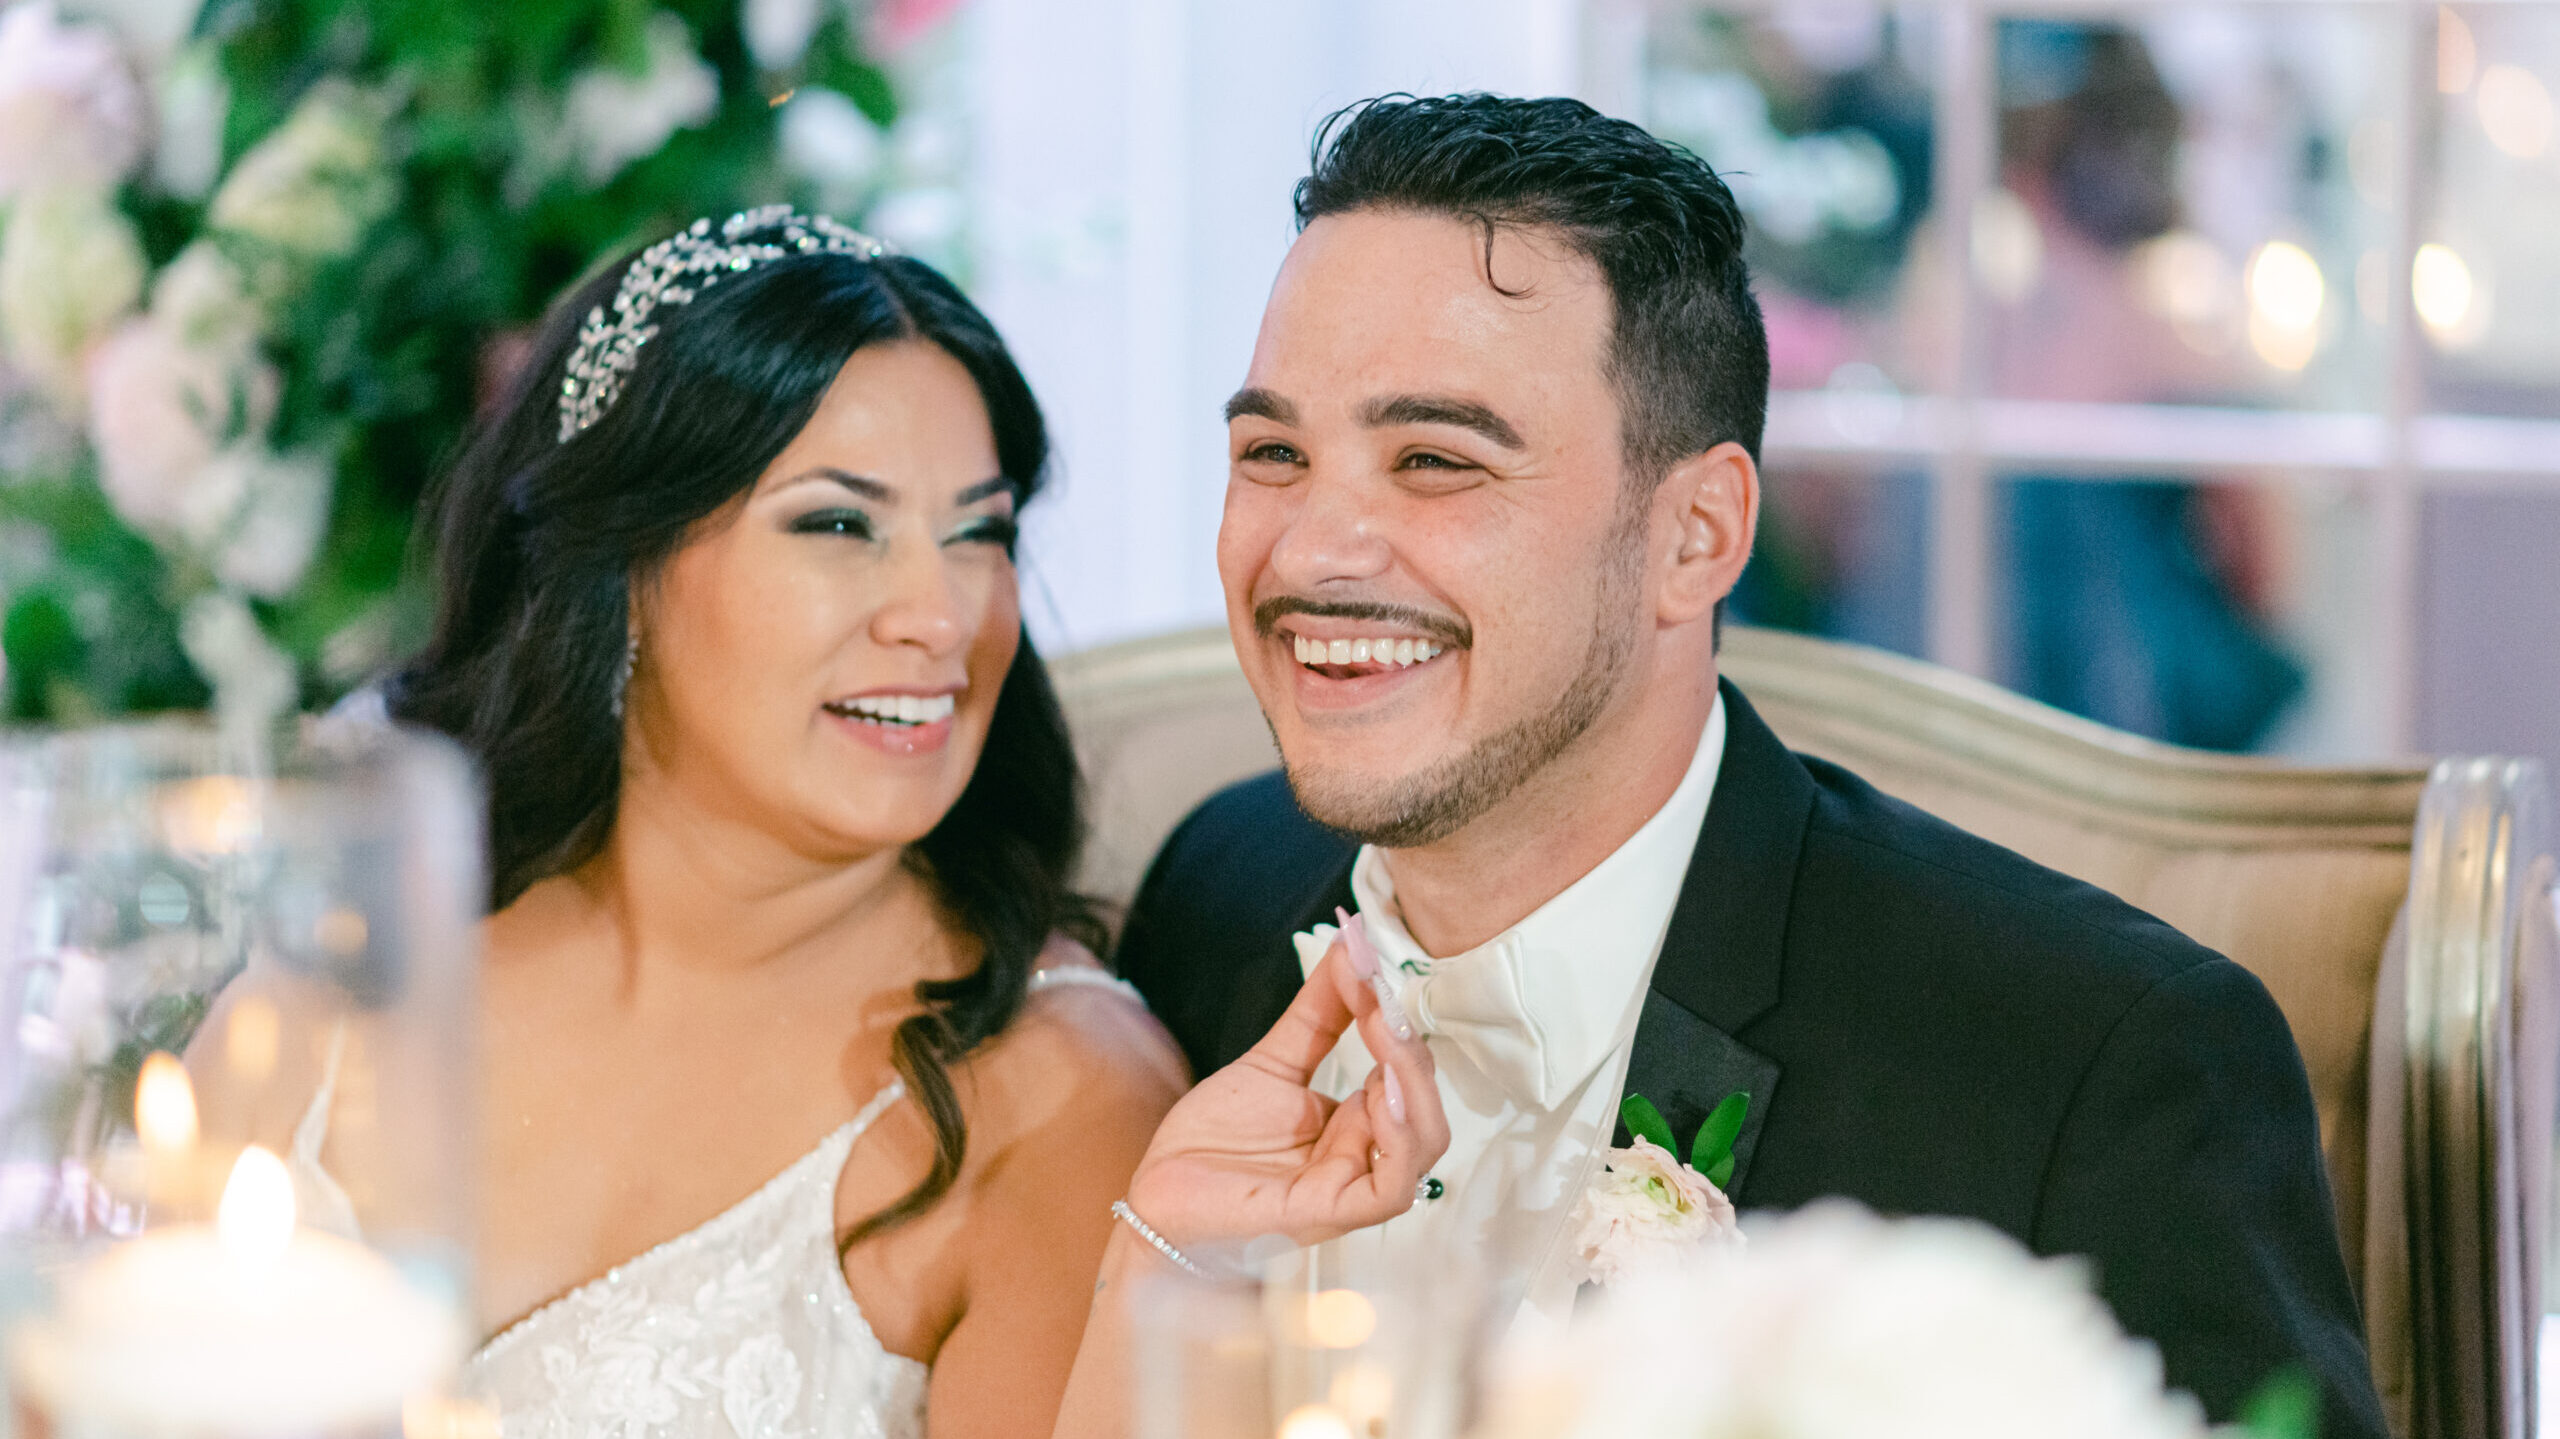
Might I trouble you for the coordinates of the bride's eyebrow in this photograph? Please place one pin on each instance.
(986, 489)
(869, 489)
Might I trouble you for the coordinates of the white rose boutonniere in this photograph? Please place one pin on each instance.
(1646, 1209)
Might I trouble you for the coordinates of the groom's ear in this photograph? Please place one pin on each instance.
(1705, 514)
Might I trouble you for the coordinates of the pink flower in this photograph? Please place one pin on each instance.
(71, 112)
(160, 409)
(1647, 1210)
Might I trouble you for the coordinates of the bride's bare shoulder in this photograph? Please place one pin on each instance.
(1083, 1055)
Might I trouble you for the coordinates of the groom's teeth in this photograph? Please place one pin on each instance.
(1361, 652)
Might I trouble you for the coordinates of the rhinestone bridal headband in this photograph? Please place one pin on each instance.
(672, 272)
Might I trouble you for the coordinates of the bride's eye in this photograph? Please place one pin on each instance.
(853, 524)
(998, 530)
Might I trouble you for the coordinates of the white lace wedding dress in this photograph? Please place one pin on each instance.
(740, 1328)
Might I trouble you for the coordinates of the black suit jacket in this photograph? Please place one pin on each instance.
(1926, 1022)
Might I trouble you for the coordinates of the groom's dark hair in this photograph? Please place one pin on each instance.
(1688, 356)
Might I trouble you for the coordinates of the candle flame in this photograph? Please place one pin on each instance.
(1314, 1421)
(215, 815)
(256, 1219)
(1340, 1319)
(164, 1106)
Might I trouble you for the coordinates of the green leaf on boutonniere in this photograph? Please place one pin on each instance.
(1646, 1122)
(2286, 1406)
(1712, 1153)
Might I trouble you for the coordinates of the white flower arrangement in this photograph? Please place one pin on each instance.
(1835, 1324)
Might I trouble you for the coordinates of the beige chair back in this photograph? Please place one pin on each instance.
(2438, 1156)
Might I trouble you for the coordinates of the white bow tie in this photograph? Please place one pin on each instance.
(1471, 1003)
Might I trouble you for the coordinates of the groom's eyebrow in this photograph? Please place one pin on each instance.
(1261, 404)
(1441, 410)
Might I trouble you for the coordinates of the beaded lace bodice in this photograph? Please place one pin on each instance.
(742, 1326)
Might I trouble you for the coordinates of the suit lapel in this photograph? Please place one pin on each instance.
(1265, 993)
(1722, 954)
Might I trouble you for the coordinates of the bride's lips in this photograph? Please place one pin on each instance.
(898, 719)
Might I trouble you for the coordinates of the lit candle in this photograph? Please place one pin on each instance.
(164, 1118)
(253, 1325)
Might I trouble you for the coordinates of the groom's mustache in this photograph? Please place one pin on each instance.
(1448, 633)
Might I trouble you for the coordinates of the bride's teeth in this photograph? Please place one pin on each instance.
(900, 709)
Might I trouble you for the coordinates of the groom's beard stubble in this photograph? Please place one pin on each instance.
(1448, 796)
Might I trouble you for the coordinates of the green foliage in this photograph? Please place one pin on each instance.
(387, 351)
(2286, 1406)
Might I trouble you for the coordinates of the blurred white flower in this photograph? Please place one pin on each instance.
(71, 112)
(827, 138)
(160, 409)
(153, 28)
(203, 299)
(194, 100)
(918, 220)
(316, 184)
(1835, 1324)
(614, 118)
(252, 680)
(257, 517)
(70, 267)
(778, 31)
(929, 146)
(1646, 1210)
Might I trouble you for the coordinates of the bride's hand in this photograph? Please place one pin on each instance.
(1253, 1151)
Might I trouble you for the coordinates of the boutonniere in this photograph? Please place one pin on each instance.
(1646, 1208)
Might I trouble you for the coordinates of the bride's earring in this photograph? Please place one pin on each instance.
(622, 677)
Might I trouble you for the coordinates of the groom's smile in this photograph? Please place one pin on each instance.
(1425, 545)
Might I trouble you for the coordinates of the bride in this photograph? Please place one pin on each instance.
(807, 1105)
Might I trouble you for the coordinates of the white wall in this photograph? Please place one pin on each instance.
(1133, 167)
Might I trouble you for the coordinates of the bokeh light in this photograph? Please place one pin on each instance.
(2286, 295)
(2515, 111)
(2457, 54)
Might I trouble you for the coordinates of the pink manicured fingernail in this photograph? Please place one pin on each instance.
(1355, 940)
(1395, 1096)
(1364, 963)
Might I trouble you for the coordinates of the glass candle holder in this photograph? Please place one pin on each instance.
(238, 1098)
(1338, 1341)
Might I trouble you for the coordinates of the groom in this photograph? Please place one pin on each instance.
(1492, 476)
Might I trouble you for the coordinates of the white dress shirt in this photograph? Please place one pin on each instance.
(1531, 1031)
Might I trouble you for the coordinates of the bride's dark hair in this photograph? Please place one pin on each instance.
(538, 545)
